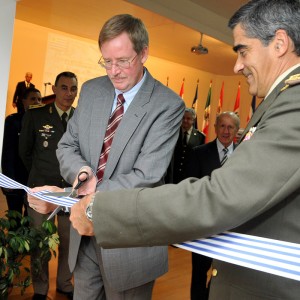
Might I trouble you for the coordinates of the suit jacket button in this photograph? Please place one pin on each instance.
(214, 272)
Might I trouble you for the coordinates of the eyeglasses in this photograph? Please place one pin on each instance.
(122, 63)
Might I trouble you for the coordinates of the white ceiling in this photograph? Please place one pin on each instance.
(174, 26)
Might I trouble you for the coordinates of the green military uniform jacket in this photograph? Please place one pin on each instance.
(41, 131)
(256, 192)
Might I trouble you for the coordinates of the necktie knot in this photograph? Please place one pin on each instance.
(120, 99)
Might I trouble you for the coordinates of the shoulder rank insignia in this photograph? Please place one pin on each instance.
(293, 80)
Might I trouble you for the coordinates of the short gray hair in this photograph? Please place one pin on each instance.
(262, 18)
(191, 111)
(230, 114)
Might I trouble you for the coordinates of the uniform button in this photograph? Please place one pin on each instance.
(214, 272)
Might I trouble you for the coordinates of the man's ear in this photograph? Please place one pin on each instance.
(145, 53)
(281, 42)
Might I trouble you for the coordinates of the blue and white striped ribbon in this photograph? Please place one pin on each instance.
(8, 183)
(262, 254)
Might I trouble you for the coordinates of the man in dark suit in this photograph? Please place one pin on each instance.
(256, 192)
(12, 165)
(203, 160)
(189, 137)
(42, 129)
(20, 89)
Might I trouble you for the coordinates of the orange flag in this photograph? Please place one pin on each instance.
(219, 110)
(237, 101)
(181, 93)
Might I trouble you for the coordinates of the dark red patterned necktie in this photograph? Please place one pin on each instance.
(112, 125)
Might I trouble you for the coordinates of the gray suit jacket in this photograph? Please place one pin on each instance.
(140, 154)
(256, 192)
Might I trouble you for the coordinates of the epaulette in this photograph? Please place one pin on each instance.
(199, 132)
(293, 80)
(36, 105)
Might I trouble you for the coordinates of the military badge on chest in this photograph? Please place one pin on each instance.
(46, 133)
(249, 134)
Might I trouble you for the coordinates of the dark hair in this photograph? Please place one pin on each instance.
(28, 91)
(134, 27)
(262, 18)
(65, 74)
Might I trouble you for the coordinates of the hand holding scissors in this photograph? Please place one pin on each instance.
(82, 177)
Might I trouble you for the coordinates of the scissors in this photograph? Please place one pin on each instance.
(72, 194)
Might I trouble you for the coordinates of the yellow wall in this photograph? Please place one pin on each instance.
(46, 52)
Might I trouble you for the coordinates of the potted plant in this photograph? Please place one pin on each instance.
(17, 240)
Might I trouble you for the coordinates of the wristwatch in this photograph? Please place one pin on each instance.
(89, 209)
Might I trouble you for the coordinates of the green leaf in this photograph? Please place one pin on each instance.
(17, 239)
(26, 245)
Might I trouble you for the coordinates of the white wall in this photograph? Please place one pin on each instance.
(7, 17)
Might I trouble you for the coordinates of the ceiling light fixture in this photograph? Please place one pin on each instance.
(199, 49)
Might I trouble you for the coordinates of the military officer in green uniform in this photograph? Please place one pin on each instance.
(42, 129)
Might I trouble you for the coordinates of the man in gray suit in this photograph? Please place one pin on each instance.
(139, 156)
(256, 192)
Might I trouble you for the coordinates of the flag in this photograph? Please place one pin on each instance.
(252, 108)
(195, 105)
(219, 110)
(182, 89)
(237, 101)
(207, 112)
